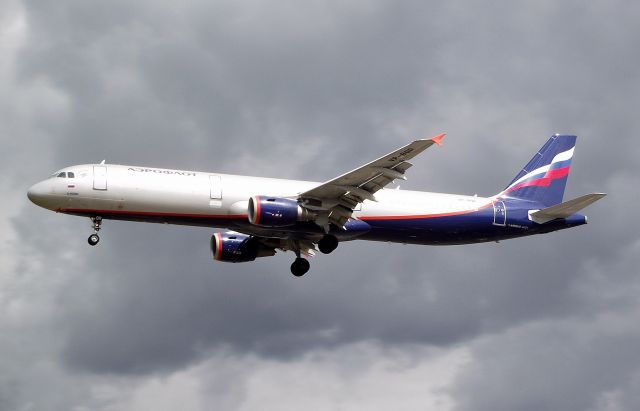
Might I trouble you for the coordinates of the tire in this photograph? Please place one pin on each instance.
(93, 239)
(327, 244)
(300, 267)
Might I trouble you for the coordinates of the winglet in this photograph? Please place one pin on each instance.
(438, 139)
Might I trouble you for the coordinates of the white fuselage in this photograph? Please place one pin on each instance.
(125, 189)
(263, 215)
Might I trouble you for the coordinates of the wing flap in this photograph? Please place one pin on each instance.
(564, 210)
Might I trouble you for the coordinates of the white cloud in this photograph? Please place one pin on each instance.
(353, 377)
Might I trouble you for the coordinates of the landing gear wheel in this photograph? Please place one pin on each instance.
(93, 239)
(327, 244)
(300, 267)
(96, 223)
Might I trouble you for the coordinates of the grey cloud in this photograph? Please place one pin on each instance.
(217, 81)
(577, 365)
(165, 312)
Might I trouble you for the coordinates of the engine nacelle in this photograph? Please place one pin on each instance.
(235, 247)
(275, 211)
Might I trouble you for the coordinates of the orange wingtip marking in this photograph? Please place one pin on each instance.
(438, 139)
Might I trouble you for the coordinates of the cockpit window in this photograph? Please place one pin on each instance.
(68, 174)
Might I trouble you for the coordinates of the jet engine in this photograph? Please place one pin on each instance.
(276, 211)
(235, 247)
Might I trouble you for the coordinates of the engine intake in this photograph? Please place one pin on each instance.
(235, 247)
(275, 211)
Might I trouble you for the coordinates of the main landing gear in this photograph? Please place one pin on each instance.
(327, 244)
(300, 265)
(97, 224)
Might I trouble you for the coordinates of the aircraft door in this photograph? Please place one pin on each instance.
(99, 177)
(499, 213)
(215, 187)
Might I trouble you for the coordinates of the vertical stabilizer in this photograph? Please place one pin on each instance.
(544, 178)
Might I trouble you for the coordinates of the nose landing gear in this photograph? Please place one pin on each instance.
(97, 224)
(93, 239)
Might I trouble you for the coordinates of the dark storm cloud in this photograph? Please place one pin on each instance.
(164, 313)
(238, 87)
(220, 78)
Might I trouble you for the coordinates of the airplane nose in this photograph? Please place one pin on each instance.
(37, 193)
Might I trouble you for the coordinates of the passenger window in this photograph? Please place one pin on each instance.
(71, 175)
(63, 175)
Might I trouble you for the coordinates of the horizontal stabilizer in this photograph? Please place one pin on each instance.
(564, 210)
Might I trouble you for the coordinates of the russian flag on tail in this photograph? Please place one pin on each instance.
(544, 178)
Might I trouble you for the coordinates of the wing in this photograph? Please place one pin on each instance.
(335, 200)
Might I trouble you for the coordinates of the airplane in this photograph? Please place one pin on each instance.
(263, 215)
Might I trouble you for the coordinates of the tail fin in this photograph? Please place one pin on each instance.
(544, 178)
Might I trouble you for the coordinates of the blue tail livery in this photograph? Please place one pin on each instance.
(544, 178)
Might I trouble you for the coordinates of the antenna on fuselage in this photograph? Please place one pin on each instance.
(102, 162)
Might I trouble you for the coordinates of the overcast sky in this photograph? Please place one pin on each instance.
(309, 90)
